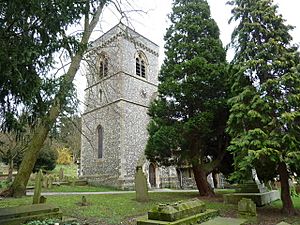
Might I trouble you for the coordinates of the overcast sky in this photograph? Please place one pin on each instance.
(153, 21)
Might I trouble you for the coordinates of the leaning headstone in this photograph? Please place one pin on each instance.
(61, 174)
(141, 188)
(37, 188)
(247, 209)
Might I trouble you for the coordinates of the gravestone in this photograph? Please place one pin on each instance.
(45, 182)
(258, 193)
(141, 188)
(61, 174)
(37, 188)
(50, 182)
(247, 207)
(21, 214)
(84, 201)
(185, 213)
(43, 199)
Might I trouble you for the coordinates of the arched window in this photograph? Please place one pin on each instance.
(140, 65)
(103, 66)
(100, 142)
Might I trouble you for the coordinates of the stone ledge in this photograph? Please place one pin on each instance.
(225, 221)
(260, 199)
(196, 219)
(20, 214)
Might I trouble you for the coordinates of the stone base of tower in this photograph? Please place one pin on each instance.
(166, 178)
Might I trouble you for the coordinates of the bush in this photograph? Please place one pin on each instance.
(45, 161)
(4, 184)
(64, 156)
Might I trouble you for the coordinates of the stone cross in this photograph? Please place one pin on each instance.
(141, 188)
(37, 188)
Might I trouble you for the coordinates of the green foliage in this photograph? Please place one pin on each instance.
(64, 156)
(46, 159)
(4, 184)
(264, 115)
(49, 222)
(30, 38)
(189, 117)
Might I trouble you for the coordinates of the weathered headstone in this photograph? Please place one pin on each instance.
(73, 181)
(43, 199)
(50, 182)
(21, 214)
(61, 174)
(45, 182)
(84, 201)
(247, 209)
(37, 188)
(141, 188)
(184, 213)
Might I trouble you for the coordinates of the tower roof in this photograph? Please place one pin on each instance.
(121, 30)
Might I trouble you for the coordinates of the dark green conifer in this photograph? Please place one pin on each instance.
(264, 116)
(189, 117)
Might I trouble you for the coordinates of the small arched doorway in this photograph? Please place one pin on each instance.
(152, 176)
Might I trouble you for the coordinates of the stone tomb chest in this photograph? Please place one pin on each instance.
(189, 212)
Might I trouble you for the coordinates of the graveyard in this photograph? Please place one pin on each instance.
(124, 207)
(189, 130)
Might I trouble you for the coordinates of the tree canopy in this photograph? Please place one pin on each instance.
(189, 117)
(264, 116)
(29, 37)
(46, 41)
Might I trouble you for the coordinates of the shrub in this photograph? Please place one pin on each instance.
(64, 156)
(46, 159)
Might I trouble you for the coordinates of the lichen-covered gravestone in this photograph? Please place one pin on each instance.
(37, 188)
(45, 182)
(50, 182)
(141, 188)
(247, 209)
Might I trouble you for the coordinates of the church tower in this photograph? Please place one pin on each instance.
(122, 80)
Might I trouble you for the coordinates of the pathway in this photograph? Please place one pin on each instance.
(30, 193)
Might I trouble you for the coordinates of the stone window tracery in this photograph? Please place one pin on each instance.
(140, 65)
(103, 66)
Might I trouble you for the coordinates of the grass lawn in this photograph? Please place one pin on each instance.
(123, 209)
(69, 170)
(67, 188)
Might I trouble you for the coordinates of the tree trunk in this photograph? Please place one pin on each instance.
(10, 170)
(287, 203)
(18, 187)
(203, 186)
(215, 178)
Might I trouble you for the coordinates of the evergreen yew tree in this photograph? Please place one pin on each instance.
(264, 116)
(189, 116)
